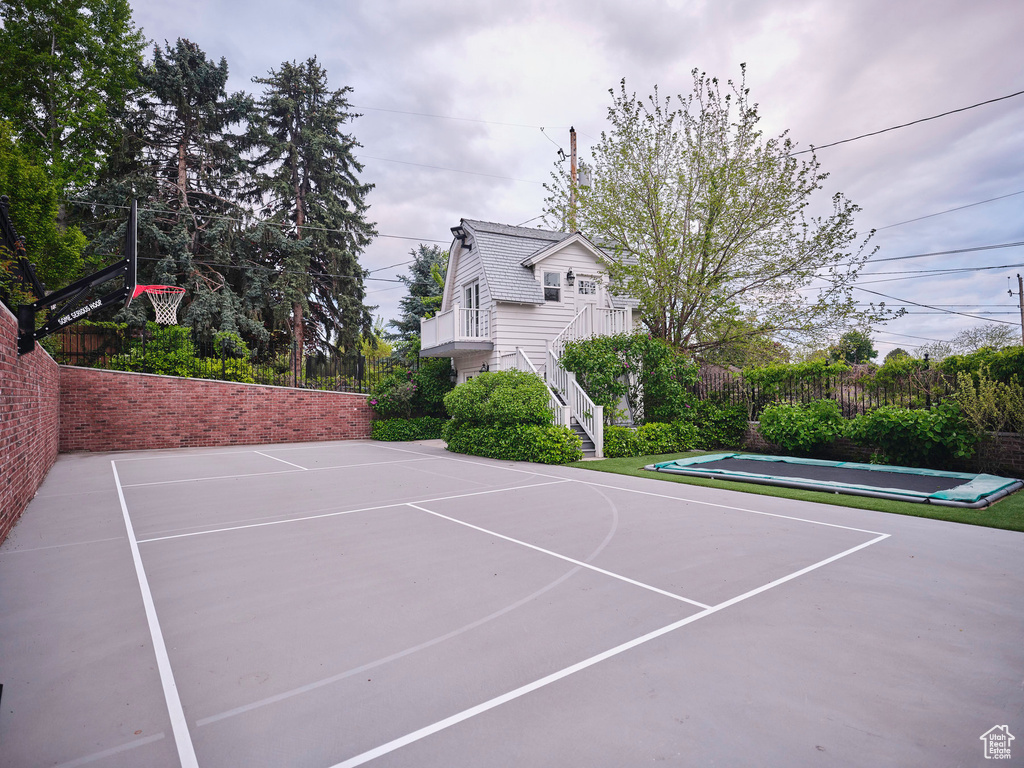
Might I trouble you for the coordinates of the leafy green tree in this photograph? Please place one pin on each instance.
(56, 252)
(896, 354)
(425, 284)
(307, 183)
(68, 67)
(854, 347)
(707, 219)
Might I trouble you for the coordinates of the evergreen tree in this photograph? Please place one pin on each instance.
(425, 282)
(180, 158)
(67, 66)
(307, 180)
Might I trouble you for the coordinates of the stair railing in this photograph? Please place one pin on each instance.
(588, 415)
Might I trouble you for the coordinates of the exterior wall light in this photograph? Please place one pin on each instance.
(570, 278)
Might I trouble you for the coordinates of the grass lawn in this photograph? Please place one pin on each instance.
(1006, 513)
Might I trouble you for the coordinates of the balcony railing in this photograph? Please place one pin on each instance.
(457, 324)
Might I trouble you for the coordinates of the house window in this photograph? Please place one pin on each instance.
(586, 287)
(552, 286)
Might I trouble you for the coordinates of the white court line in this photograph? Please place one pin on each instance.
(173, 453)
(86, 759)
(186, 752)
(657, 495)
(580, 563)
(466, 714)
(59, 546)
(346, 512)
(421, 646)
(260, 453)
(278, 472)
(727, 506)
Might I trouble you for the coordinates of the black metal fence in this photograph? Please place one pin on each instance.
(135, 349)
(855, 394)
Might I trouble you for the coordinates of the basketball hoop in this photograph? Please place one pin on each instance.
(165, 299)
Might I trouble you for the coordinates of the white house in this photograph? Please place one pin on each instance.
(513, 296)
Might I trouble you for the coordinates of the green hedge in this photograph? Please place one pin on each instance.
(651, 439)
(719, 425)
(915, 437)
(422, 428)
(543, 444)
(802, 429)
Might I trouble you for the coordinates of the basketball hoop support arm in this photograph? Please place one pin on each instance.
(68, 297)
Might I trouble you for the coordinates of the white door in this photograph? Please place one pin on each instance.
(588, 296)
(471, 321)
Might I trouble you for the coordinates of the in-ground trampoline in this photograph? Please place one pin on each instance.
(951, 489)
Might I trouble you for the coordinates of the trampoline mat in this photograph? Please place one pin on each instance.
(869, 477)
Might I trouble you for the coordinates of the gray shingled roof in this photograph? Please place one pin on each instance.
(502, 250)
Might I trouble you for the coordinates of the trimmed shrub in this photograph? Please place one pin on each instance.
(503, 398)
(718, 425)
(403, 394)
(619, 442)
(914, 437)
(422, 428)
(650, 439)
(1002, 365)
(543, 444)
(802, 429)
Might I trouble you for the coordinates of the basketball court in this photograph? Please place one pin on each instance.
(350, 603)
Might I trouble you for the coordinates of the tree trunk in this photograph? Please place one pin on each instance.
(298, 337)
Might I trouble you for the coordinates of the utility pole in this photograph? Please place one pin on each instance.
(572, 173)
(1020, 302)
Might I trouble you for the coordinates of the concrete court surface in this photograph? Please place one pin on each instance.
(349, 603)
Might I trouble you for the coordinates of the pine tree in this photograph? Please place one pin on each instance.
(307, 180)
(180, 158)
(425, 282)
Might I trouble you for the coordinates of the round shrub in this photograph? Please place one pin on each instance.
(802, 429)
(502, 398)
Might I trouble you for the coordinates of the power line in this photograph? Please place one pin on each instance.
(936, 273)
(929, 306)
(950, 210)
(453, 170)
(904, 125)
(908, 336)
(940, 253)
(250, 265)
(258, 222)
(461, 119)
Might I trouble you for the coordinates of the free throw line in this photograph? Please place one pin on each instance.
(267, 455)
(580, 563)
(497, 701)
(186, 752)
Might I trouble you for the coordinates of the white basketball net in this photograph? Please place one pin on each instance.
(166, 299)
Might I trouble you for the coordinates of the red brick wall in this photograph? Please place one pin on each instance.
(29, 418)
(118, 411)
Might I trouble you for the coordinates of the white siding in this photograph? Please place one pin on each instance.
(467, 269)
(532, 326)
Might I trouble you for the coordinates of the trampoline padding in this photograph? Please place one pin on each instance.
(885, 481)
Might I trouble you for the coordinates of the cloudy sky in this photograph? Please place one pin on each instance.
(465, 103)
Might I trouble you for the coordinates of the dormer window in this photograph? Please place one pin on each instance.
(552, 286)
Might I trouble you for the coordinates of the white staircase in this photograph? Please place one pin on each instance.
(572, 406)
